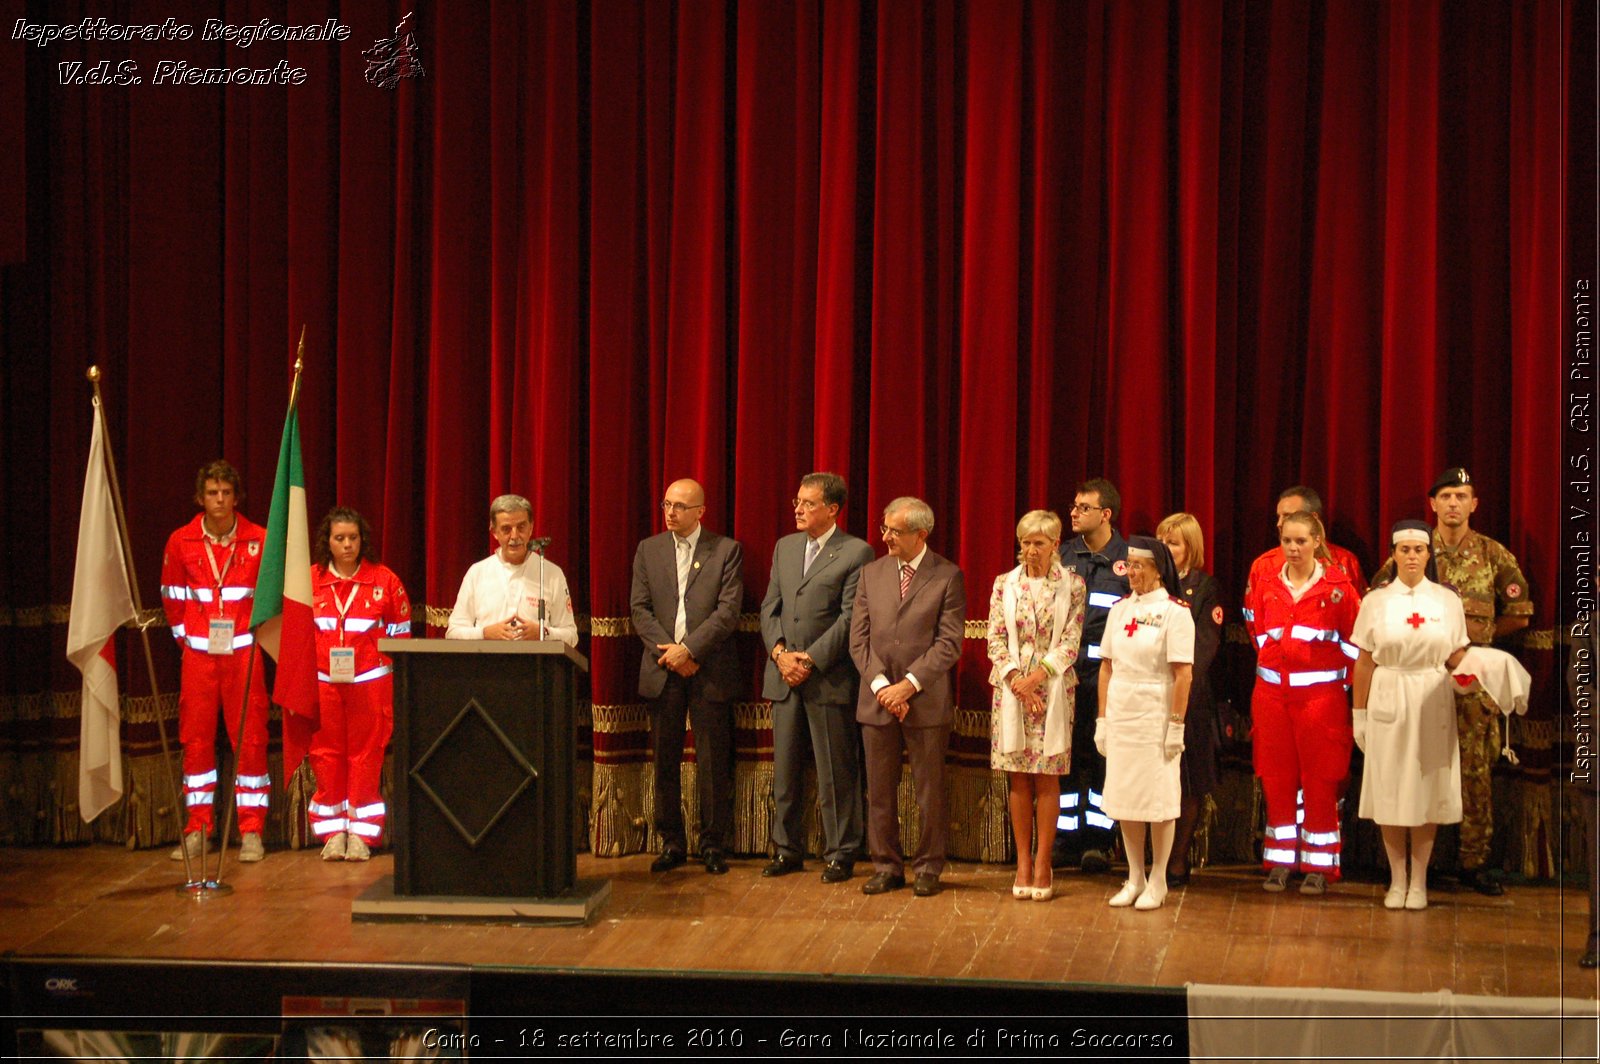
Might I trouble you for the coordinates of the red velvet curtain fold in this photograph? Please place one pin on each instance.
(972, 252)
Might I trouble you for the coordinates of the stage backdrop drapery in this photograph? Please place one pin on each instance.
(973, 252)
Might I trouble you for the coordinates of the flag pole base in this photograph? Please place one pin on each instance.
(201, 889)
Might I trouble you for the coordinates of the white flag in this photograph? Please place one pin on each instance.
(101, 603)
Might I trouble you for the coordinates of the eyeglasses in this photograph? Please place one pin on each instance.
(886, 531)
(806, 505)
(670, 507)
(1085, 508)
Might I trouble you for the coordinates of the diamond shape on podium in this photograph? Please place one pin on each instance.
(455, 773)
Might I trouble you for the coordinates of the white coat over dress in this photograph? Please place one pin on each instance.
(1413, 757)
(1145, 636)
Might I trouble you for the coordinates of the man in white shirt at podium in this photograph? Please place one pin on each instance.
(513, 593)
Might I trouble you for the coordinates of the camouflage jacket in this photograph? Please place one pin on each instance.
(1484, 574)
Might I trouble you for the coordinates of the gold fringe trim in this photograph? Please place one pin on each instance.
(439, 617)
(1536, 828)
(980, 823)
(617, 816)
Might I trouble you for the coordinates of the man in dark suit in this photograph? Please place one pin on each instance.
(905, 637)
(685, 602)
(805, 623)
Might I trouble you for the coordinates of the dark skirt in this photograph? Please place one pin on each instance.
(1201, 742)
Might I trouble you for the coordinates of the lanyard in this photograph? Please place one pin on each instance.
(344, 607)
(216, 573)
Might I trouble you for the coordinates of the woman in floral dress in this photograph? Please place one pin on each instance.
(1035, 623)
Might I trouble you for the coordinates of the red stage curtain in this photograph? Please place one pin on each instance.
(974, 252)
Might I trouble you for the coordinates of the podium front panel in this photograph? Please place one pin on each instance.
(484, 739)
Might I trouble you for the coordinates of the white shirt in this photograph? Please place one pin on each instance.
(1298, 593)
(683, 549)
(494, 591)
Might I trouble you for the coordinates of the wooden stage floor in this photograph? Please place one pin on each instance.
(105, 901)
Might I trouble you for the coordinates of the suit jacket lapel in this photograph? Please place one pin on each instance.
(702, 551)
(824, 556)
(919, 579)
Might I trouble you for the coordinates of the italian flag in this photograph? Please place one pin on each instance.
(282, 616)
(101, 603)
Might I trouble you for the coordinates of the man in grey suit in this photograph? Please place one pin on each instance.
(905, 637)
(685, 602)
(805, 623)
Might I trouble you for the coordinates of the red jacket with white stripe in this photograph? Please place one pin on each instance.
(189, 589)
(1307, 641)
(380, 608)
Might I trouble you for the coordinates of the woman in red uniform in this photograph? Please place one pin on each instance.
(356, 602)
(1304, 615)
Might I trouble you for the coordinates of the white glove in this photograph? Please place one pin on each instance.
(1358, 724)
(1100, 735)
(1172, 745)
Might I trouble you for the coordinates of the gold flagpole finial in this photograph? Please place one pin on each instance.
(93, 374)
(299, 364)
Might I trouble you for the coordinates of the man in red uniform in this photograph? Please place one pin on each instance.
(208, 582)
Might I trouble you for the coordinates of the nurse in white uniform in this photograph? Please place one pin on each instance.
(1411, 634)
(1146, 667)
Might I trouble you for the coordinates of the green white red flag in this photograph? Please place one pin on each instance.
(282, 617)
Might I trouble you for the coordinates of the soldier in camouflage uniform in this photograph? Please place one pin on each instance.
(1494, 595)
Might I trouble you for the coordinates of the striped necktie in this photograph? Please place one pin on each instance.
(906, 573)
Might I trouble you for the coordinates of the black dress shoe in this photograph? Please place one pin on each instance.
(1094, 862)
(1591, 956)
(927, 885)
(1480, 880)
(837, 871)
(1177, 879)
(668, 860)
(716, 863)
(782, 865)
(883, 882)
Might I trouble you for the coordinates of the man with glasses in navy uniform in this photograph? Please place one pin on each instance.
(1099, 554)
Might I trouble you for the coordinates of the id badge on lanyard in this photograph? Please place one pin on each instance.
(342, 664)
(342, 659)
(219, 639)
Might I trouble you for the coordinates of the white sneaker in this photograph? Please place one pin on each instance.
(1395, 899)
(250, 848)
(1125, 897)
(333, 849)
(192, 841)
(1417, 898)
(356, 849)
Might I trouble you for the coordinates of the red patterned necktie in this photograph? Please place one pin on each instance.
(906, 573)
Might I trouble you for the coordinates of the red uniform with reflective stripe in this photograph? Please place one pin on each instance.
(213, 683)
(1302, 737)
(357, 718)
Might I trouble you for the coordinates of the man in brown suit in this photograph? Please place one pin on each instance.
(905, 637)
(687, 590)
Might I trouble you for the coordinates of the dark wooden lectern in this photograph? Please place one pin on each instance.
(483, 783)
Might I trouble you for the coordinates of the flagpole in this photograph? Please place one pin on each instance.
(138, 606)
(255, 649)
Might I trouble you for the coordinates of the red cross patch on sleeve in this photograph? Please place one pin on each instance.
(1216, 615)
(1513, 591)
